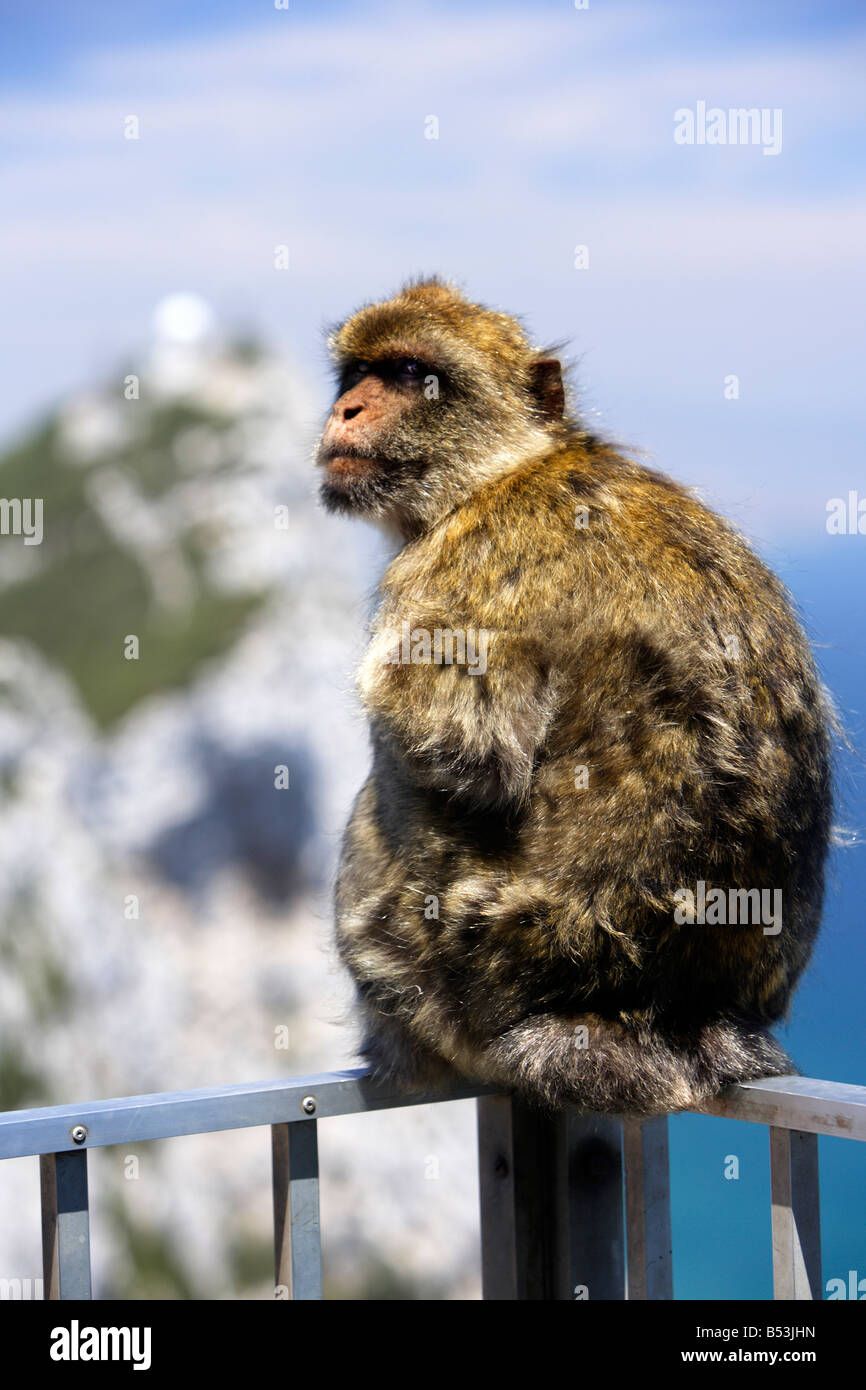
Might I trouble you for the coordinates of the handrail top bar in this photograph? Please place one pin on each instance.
(789, 1102)
(795, 1102)
(169, 1114)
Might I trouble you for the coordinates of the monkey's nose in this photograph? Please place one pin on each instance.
(351, 411)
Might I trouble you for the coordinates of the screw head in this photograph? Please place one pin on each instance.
(78, 1134)
(308, 1105)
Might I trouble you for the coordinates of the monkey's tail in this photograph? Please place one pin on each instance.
(626, 1066)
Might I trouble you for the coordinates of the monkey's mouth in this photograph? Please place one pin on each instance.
(350, 465)
(347, 462)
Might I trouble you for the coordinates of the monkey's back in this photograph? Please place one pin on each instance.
(649, 721)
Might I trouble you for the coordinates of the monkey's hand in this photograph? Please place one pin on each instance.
(466, 709)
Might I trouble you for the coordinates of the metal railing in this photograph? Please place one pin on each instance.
(553, 1221)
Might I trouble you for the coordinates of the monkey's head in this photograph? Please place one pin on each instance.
(436, 396)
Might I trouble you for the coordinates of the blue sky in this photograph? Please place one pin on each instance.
(38, 38)
(306, 127)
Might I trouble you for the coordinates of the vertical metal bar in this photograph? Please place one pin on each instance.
(65, 1225)
(496, 1195)
(515, 1164)
(590, 1245)
(297, 1238)
(796, 1214)
(551, 1203)
(648, 1209)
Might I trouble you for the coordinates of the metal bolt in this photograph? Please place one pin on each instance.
(78, 1134)
(308, 1105)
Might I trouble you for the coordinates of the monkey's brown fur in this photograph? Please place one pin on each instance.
(632, 633)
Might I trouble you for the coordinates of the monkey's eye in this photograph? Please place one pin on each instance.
(352, 373)
(410, 368)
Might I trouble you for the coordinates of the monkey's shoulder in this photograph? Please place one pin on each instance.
(582, 506)
(638, 532)
(584, 537)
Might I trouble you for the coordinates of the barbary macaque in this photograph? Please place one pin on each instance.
(588, 862)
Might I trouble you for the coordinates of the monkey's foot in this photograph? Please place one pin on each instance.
(395, 1059)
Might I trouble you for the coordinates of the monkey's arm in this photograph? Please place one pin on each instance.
(471, 727)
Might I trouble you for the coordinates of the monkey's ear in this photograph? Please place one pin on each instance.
(545, 385)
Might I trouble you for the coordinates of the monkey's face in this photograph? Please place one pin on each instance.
(436, 396)
(378, 439)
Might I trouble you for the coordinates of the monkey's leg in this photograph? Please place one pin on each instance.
(626, 1066)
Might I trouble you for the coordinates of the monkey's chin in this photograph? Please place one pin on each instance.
(352, 490)
(359, 484)
(370, 487)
